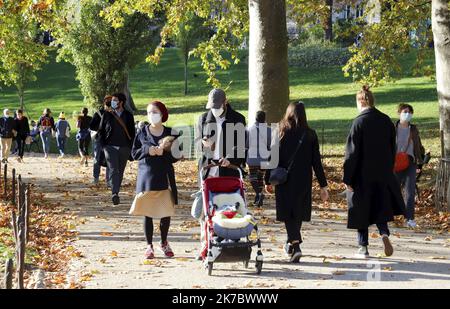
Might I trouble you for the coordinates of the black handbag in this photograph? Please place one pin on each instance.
(279, 175)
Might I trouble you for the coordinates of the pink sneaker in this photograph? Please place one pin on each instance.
(165, 248)
(149, 253)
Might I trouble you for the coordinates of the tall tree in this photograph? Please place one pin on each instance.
(376, 59)
(103, 55)
(189, 35)
(21, 53)
(441, 33)
(268, 59)
(230, 21)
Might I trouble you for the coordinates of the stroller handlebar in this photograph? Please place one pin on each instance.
(231, 166)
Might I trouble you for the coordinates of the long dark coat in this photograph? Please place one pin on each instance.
(207, 127)
(155, 173)
(293, 198)
(369, 169)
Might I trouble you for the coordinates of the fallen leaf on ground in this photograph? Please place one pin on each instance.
(338, 273)
(107, 234)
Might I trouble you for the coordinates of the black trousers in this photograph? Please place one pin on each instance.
(20, 140)
(117, 161)
(83, 146)
(363, 234)
(293, 228)
(164, 226)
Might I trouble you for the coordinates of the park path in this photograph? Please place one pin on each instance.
(111, 243)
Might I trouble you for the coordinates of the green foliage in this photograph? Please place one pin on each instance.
(345, 31)
(376, 60)
(102, 54)
(21, 54)
(228, 19)
(318, 55)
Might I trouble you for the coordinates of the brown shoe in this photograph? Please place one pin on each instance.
(388, 249)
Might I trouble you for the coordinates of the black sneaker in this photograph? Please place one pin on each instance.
(256, 199)
(260, 200)
(296, 254)
(116, 199)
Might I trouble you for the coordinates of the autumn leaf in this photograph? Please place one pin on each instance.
(338, 273)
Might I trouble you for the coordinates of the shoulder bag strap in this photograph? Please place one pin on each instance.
(122, 124)
(291, 161)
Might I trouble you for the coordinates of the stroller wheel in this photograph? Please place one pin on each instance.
(246, 263)
(210, 268)
(258, 266)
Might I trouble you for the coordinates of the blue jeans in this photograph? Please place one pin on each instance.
(363, 234)
(407, 180)
(61, 142)
(98, 150)
(45, 137)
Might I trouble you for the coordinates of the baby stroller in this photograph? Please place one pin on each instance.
(228, 224)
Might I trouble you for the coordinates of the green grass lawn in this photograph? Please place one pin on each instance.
(329, 97)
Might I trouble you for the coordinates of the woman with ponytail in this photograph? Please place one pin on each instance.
(373, 192)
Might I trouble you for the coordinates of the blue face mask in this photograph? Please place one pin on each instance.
(114, 104)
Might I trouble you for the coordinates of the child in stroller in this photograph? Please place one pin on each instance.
(228, 223)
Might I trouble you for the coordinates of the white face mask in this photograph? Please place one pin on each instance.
(154, 118)
(406, 117)
(217, 112)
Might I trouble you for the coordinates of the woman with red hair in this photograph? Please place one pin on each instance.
(156, 192)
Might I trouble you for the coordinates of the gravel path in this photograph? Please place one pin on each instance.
(112, 244)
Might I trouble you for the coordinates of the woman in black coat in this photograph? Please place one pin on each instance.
(156, 192)
(293, 198)
(373, 192)
(23, 131)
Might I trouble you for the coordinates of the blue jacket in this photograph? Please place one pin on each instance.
(155, 173)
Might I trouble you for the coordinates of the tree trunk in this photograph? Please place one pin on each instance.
(186, 59)
(125, 89)
(441, 34)
(21, 94)
(268, 59)
(328, 22)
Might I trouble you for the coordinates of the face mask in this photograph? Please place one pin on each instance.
(114, 104)
(154, 118)
(406, 117)
(217, 112)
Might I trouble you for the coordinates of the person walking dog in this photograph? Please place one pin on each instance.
(373, 192)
